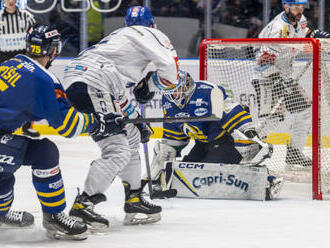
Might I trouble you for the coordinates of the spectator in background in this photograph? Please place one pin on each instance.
(95, 24)
(246, 14)
(68, 24)
(14, 23)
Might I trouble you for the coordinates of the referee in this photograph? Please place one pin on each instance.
(14, 23)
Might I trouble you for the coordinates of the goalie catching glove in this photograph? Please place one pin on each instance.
(108, 124)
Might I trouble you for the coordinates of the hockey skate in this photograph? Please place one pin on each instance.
(295, 159)
(63, 227)
(135, 204)
(16, 219)
(275, 187)
(83, 209)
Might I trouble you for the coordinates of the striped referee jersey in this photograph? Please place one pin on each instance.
(13, 28)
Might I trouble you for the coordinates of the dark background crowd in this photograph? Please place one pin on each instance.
(246, 14)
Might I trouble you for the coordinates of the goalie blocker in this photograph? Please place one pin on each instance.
(222, 181)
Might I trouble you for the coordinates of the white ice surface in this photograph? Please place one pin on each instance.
(294, 220)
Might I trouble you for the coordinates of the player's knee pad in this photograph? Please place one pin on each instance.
(42, 154)
(78, 96)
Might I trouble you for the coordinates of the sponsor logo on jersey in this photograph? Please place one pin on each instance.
(29, 66)
(201, 111)
(167, 105)
(5, 138)
(46, 173)
(203, 86)
(81, 68)
(199, 102)
(56, 185)
(181, 114)
(130, 84)
(230, 180)
(5, 159)
(191, 166)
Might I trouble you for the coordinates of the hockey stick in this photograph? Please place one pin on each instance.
(146, 156)
(168, 193)
(274, 109)
(169, 120)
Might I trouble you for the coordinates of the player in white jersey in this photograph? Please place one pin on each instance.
(96, 81)
(275, 85)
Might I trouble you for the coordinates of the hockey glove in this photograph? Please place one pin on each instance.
(319, 34)
(108, 124)
(141, 91)
(145, 131)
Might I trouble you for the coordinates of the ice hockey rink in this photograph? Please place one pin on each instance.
(294, 220)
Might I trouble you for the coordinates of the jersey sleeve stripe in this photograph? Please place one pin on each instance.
(173, 132)
(233, 118)
(72, 126)
(79, 126)
(68, 115)
(240, 121)
(175, 138)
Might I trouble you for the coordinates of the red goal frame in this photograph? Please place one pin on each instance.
(316, 77)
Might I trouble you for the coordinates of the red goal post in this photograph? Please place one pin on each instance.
(233, 62)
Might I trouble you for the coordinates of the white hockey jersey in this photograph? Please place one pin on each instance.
(279, 58)
(280, 27)
(121, 59)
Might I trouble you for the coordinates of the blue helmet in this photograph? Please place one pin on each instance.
(139, 15)
(42, 39)
(305, 2)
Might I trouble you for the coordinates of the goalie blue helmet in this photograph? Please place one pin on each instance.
(304, 2)
(139, 15)
(42, 39)
(184, 89)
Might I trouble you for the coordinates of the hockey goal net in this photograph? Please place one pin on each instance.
(286, 85)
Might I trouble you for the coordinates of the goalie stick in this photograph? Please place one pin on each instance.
(154, 194)
(279, 102)
(169, 120)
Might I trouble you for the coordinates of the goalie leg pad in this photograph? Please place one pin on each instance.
(214, 181)
(162, 152)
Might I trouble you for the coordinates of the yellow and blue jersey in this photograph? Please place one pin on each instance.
(30, 93)
(200, 105)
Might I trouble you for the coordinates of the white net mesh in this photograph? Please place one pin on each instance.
(275, 79)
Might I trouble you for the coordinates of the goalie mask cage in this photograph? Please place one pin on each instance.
(285, 84)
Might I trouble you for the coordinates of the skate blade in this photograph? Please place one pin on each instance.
(132, 219)
(97, 228)
(4, 226)
(94, 227)
(58, 235)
